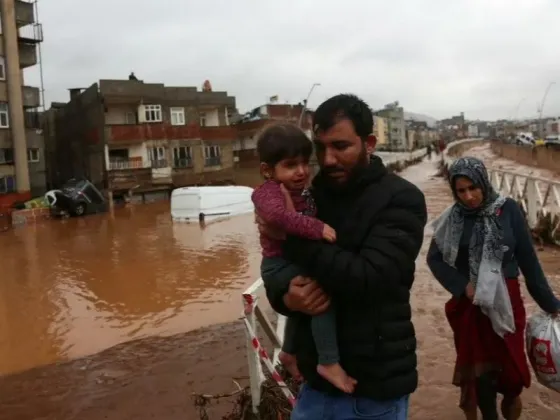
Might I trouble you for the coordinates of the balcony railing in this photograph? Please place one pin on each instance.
(32, 34)
(224, 132)
(128, 164)
(159, 163)
(183, 163)
(213, 161)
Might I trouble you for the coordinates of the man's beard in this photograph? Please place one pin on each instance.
(355, 172)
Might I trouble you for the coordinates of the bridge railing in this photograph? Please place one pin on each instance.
(257, 323)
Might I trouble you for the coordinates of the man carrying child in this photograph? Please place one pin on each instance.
(344, 280)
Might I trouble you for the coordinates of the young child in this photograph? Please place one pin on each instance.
(284, 151)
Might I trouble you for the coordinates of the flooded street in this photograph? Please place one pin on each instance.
(150, 278)
(74, 287)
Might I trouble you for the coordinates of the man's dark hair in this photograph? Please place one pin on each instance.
(344, 106)
(281, 141)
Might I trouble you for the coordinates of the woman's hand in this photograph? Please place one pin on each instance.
(469, 291)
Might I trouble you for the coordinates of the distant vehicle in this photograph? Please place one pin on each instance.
(524, 139)
(552, 142)
(205, 204)
(77, 197)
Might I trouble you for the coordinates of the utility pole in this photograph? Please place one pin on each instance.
(541, 109)
(300, 122)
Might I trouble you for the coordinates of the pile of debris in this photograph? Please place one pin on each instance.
(274, 405)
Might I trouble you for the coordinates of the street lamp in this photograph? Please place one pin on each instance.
(541, 108)
(300, 122)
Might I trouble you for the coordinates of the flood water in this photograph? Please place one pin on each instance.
(77, 286)
(73, 287)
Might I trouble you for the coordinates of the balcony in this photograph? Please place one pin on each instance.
(31, 96)
(27, 55)
(225, 132)
(24, 13)
(138, 133)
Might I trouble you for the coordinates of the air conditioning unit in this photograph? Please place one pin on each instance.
(141, 114)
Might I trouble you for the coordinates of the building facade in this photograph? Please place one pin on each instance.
(22, 160)
(131, 137)
(251, 123)
(381, 131)
(394, 114)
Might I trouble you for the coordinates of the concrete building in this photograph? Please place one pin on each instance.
(249, 125)
(396, 125)
(381, 131)
(136, 138)
(22, 163)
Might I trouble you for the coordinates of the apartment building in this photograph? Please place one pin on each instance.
(394, 114)
(381, 131)
(132, 137)
(22, 163)
(249, 125)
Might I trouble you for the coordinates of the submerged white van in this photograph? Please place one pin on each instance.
(192, 204)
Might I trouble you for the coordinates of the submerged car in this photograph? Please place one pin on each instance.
(77, 197)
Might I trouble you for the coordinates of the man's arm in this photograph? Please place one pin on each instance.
(386, 259)
(270, 205)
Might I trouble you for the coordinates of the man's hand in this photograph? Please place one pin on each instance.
(329, 234)
(305, 296)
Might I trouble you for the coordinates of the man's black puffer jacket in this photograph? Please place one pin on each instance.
(379, 219)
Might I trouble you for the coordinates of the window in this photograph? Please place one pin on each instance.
(152, 113)
(6, 156)
(7, 184)
(157, 157)
(177, 116)
(182, 157)
(212, 155)
(2, 68)
(130, 118)
(4, 117)
(33, 155)
(202, 118)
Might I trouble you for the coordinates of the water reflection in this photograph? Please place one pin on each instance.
(77, 286)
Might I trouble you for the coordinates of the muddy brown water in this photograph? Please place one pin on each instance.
(74, 287)
(154, 377)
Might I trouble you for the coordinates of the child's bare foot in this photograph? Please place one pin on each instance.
(338, 377)
(290, 363)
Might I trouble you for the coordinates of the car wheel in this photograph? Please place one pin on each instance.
(80, 209)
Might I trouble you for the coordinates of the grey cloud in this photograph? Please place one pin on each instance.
(437, 57)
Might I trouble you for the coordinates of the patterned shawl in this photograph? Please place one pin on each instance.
(486, 249)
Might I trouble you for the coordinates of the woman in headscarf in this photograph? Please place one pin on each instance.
(479, 245)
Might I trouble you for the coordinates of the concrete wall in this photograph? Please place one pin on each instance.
(539, 157)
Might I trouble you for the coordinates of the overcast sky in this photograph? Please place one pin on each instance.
(437, 57)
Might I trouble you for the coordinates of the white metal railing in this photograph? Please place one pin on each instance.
(128, 164)
(253, 317)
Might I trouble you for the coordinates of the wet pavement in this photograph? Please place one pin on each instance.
(154, 377)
